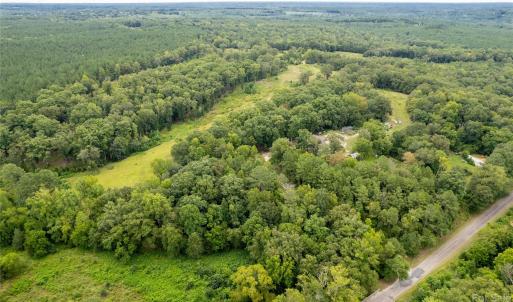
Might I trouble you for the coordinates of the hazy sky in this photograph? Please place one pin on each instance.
(182, 1)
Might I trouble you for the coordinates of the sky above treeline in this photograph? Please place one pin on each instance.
(243, 1)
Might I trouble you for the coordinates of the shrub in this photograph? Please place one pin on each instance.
(11, 264)
(36, 244)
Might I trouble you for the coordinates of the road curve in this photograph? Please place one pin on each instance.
(444, 253)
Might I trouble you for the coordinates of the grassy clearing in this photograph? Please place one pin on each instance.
(455, 161)
(351, 55)
(399, 112)
(137, 168)
(73, 274)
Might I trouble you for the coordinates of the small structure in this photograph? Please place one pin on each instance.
(322, 139)
(289, 186)
(478, 161)
(355, 155)
(266, 156)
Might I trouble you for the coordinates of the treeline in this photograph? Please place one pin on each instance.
(285, 35)
(445, 55)
(43, 49)
(47, 45)
(88, 123)
(111, 72)
(325, 37)
(484, 272)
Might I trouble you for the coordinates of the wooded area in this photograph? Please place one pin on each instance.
(320, 217)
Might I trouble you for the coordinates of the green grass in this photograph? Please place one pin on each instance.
(399, 112)
(137, 168)
(455, 161)
(74, 274)
(351, 55)
(350, 141)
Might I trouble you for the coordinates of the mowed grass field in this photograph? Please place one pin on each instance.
(77, 275)
(399, 112)
(137, 168)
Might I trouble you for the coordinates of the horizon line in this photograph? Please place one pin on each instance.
(65, 2)
(261, 1)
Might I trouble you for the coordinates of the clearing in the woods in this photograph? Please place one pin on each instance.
(137, 168)
(399, 118)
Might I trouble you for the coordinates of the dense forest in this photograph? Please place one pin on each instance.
(323, 191)
(57, 44)
(88, 122)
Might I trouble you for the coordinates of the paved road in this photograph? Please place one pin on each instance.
(438, 257)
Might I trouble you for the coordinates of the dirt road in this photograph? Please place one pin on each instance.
(444, 253)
